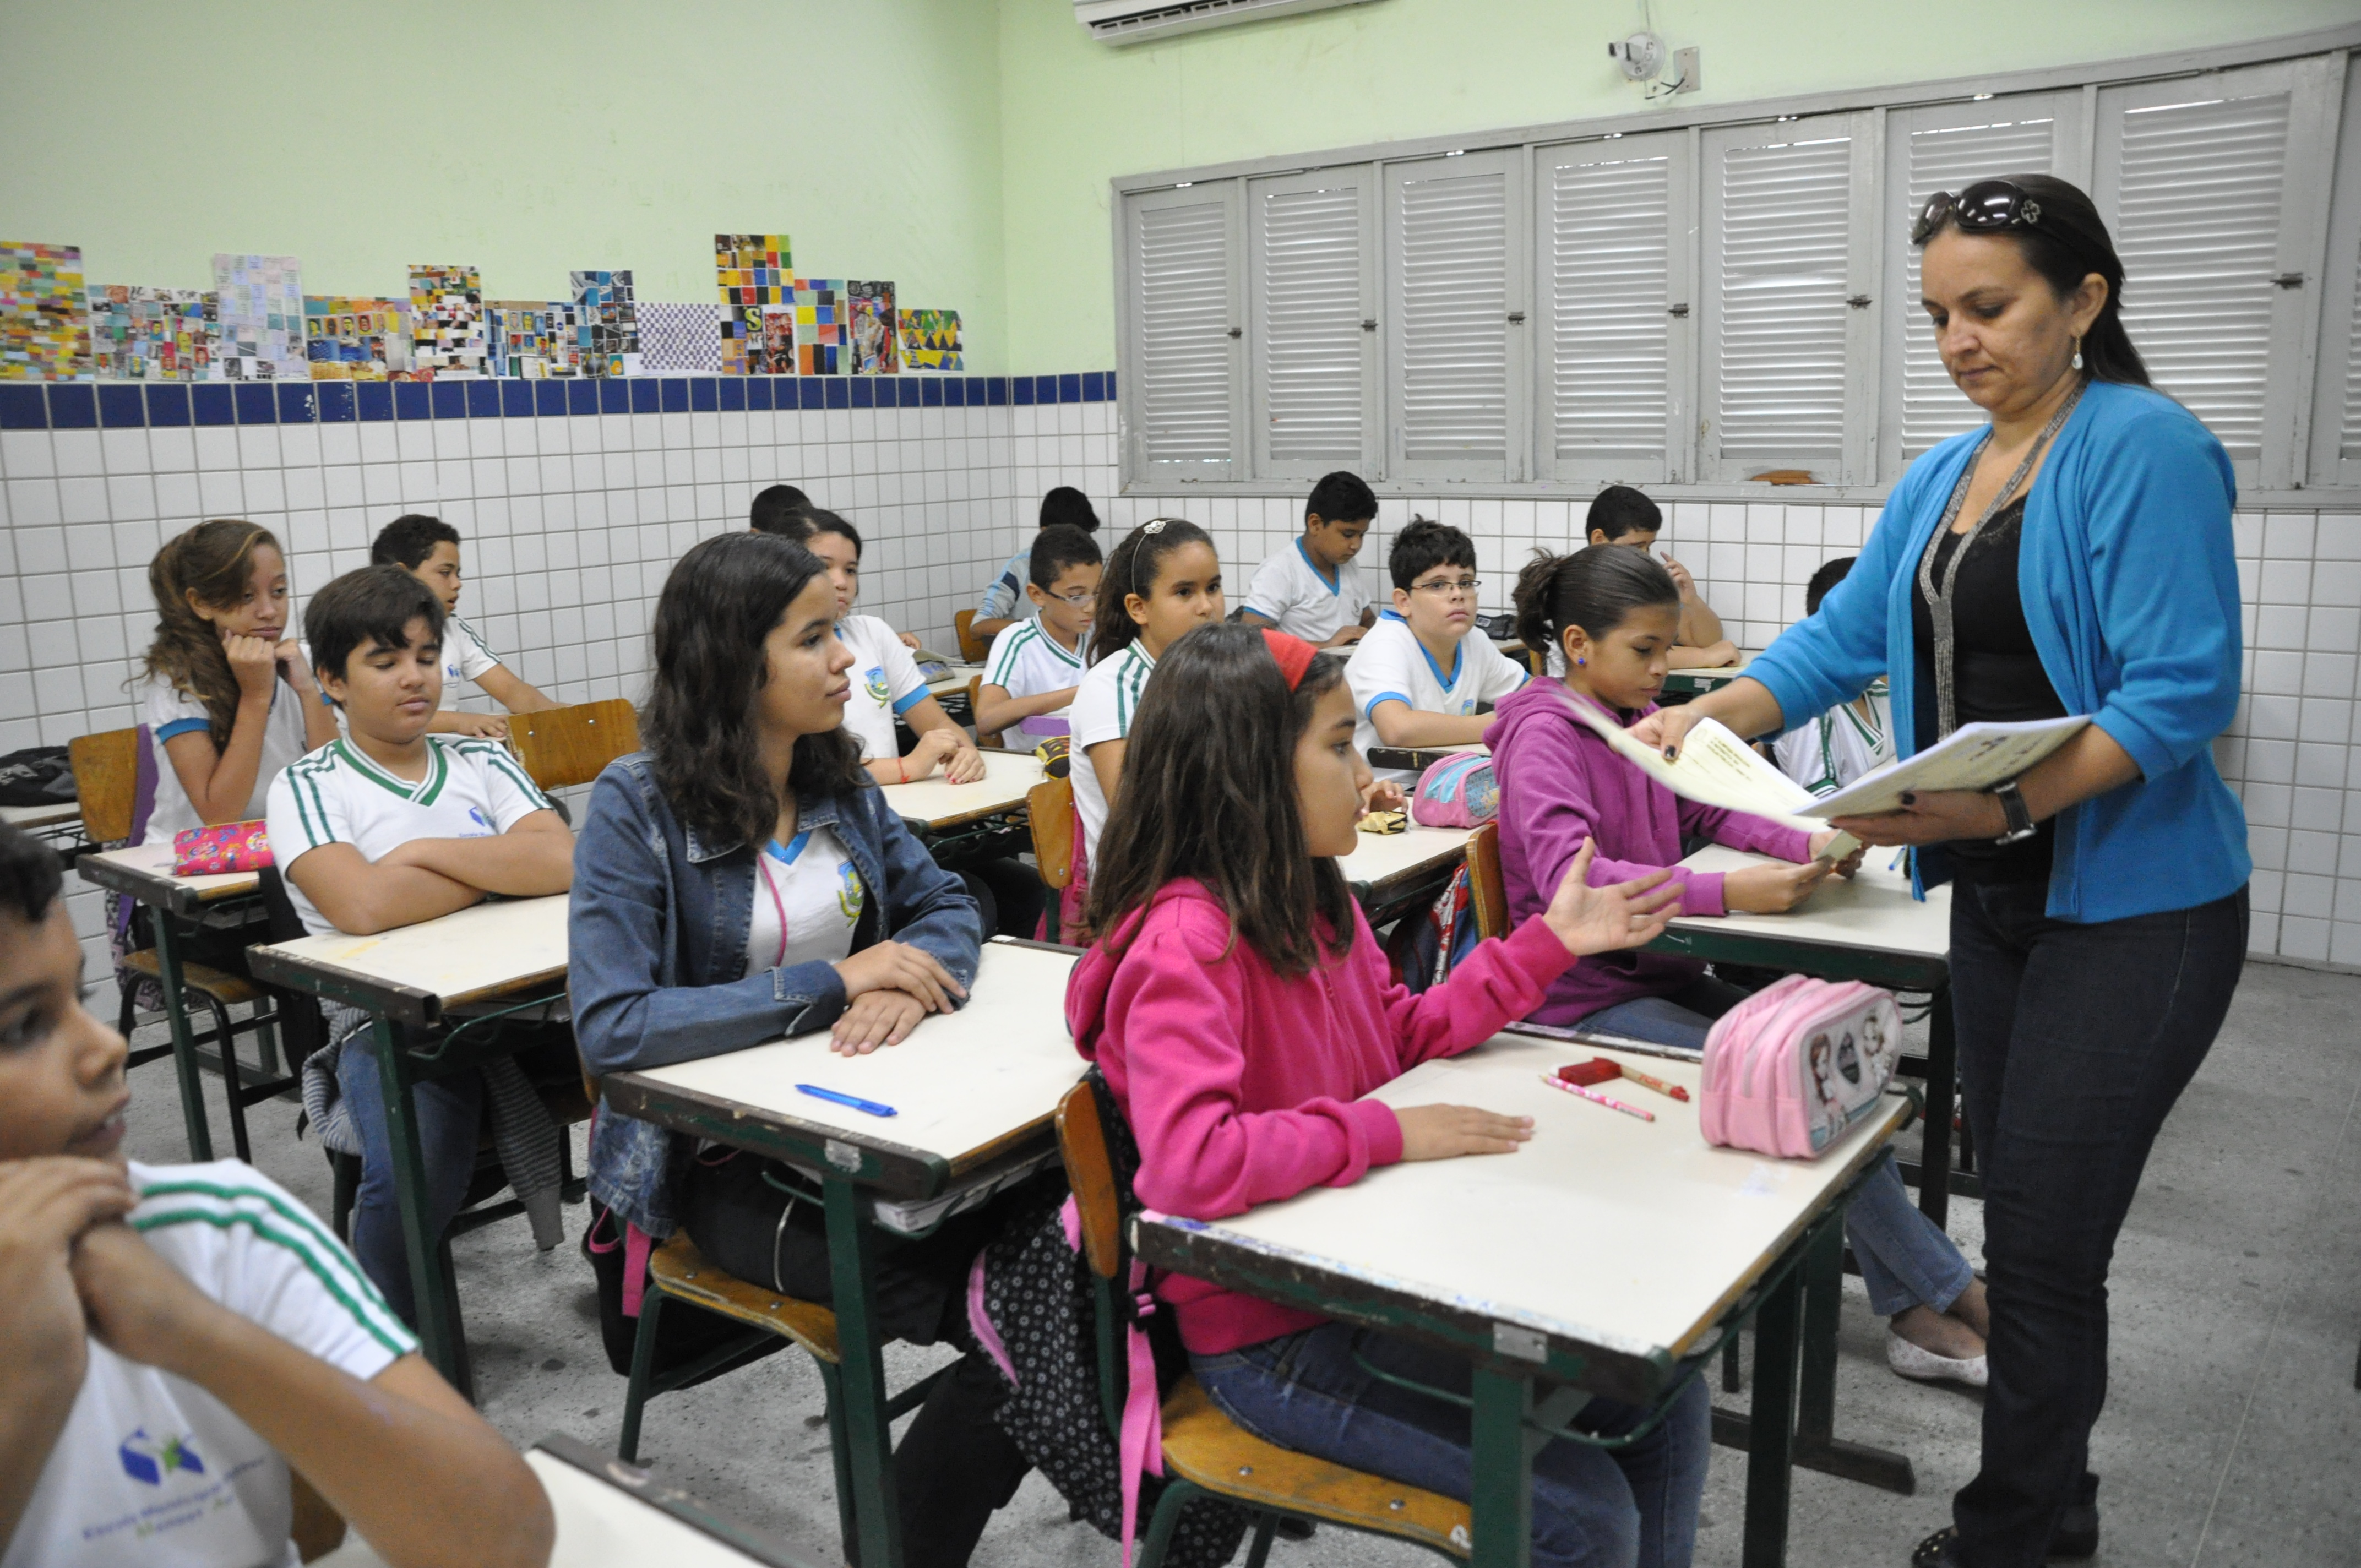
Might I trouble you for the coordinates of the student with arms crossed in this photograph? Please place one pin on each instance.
(1029, 681)
(1622, 515)
(1064, 507)
(1312, 589)
(186, 1344)
(1242, 1010)
(388, 827)
(428, 549)
(1418, 677)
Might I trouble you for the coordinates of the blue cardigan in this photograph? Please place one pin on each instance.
(2131, 590)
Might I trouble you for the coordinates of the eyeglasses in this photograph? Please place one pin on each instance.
(1466, 585)
(1087, 596)
(1983, 207)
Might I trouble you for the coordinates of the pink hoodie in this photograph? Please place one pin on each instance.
(1561, 785)
(1244, 1088)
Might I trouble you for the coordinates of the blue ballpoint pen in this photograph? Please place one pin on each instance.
(854, 1100)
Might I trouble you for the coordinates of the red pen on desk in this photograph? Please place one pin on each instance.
(1671, 1090)
(1597, 1099)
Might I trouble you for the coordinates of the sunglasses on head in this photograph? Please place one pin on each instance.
(1983, 207)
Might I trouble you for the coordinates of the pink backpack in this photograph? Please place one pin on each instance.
(1790, 1067)
(1458, 790)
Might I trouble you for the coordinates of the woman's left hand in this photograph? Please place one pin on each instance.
(1935, 817)
(1846, 867)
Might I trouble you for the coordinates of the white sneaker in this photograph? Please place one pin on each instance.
(1916, 1362)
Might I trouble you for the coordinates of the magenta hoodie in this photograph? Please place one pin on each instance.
(1244, 1088)
(1561, 785)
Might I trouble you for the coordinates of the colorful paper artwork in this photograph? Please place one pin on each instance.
(44, 317)
(261, 317)
(931, 340)
(876, 349)
(607, 327)
(753, 271)
(154, 334)
(446, 320)
(776, 354)
(533, 340)
(821, 319)
(678, 335)
(350, 339)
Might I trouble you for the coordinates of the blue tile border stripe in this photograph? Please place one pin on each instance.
(121, 405)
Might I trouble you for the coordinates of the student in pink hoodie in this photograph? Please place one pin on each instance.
(1614, 613)
(1240, 1009)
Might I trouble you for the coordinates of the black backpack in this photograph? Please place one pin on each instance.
(38, 775)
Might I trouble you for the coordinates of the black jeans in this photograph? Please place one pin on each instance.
(2075, 1040)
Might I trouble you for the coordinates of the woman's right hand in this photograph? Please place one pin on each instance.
(1666, 727)
(897, 966)
(254, 661)
(1772, 889)
(1446, 1131)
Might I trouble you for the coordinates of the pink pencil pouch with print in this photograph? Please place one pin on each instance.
(1793, 1066)
(224, 847)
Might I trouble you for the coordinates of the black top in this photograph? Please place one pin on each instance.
(1999, 677)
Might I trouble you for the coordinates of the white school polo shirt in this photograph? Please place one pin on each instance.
(152, 1469)
(168, 713)
(473, 789)
(808, 898)
(1104, 710)
(464, 657)
(885, 683)
(1391, 664)
(1288, 589)
(1025, 661)
(1827, 752)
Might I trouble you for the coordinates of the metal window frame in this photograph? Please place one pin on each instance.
(1130, 389)
(1367, 180)
(1517, 437)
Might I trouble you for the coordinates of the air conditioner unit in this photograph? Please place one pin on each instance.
(1138, 21)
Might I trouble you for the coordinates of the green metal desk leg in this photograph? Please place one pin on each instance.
(184, 1046)
(1816, 1405)
(1502, 1513)
(860, 1377)
(1942, 1075)
(430, 1293)
(1770, 1450)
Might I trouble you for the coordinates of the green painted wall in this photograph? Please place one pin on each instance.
(1075, 114)
(526, 136)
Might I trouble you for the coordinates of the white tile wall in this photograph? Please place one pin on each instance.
(572, 523)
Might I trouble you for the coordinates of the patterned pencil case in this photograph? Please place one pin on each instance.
(224, 847)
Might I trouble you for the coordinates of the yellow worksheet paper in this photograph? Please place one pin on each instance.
(1973, 757)
(1716, 768)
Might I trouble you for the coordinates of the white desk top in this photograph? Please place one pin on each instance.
(1008, 777)
(29, 818)
(953, 680)
(1875, 911)
(1626, 1234)
(153, 863)
(961, 1084)
(485, 950)
(1717, 673)
(1381, 856)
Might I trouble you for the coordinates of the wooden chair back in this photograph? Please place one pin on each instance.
(1050, 805)
(1081, 1144)
(1490, 895)
(565, 746)
(972, 649)
(974, 697)
(106, 779)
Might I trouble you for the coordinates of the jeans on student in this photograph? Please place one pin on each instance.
(1905, 1258)
(448, 1115)
(2075, 1040)
(1633, 1507)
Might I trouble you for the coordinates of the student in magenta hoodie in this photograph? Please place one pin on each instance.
(1614, 613)
(1241, 1008)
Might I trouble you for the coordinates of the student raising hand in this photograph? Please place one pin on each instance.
(1621, 914)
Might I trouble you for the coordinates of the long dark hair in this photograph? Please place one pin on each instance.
(214, 561)
(2069, 244)
(1133, 569)
(720, 602)
(1595, 588)
(1224, 814)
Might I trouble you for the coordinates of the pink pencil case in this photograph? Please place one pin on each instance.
(1793, 1066)
(224, 847)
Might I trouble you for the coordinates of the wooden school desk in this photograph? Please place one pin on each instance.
(42, 820)
(1600, 1258)
(144, 872)
(975, 1093)
(409, 981)
(1390, 871)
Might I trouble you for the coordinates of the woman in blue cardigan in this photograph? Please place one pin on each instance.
(2072, 558)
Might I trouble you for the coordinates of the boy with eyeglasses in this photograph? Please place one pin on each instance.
(1034, 665)
(1418, 678)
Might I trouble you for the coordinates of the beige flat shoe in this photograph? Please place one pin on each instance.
(1923, 1366)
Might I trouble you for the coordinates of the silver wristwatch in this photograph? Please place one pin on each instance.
(2020, 820)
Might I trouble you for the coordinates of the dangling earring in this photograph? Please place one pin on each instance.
(2078, 353)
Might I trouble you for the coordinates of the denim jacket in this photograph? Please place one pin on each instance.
(657, 933)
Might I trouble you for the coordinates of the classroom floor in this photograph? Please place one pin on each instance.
(2229, 1438)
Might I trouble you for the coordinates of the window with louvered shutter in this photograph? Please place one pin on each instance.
(1313, 270)
(1454, 355)
(1613, 230)
(1182, 385)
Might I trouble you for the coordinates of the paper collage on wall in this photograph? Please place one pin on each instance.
(261, 317)
(606, 325)
(533, 340)
(755, 273)
(446, 320)
(44, 317)
(821, 345)
(350, 339)
(680, 335)
(876, 349)
(931, 340)
(154, 334)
